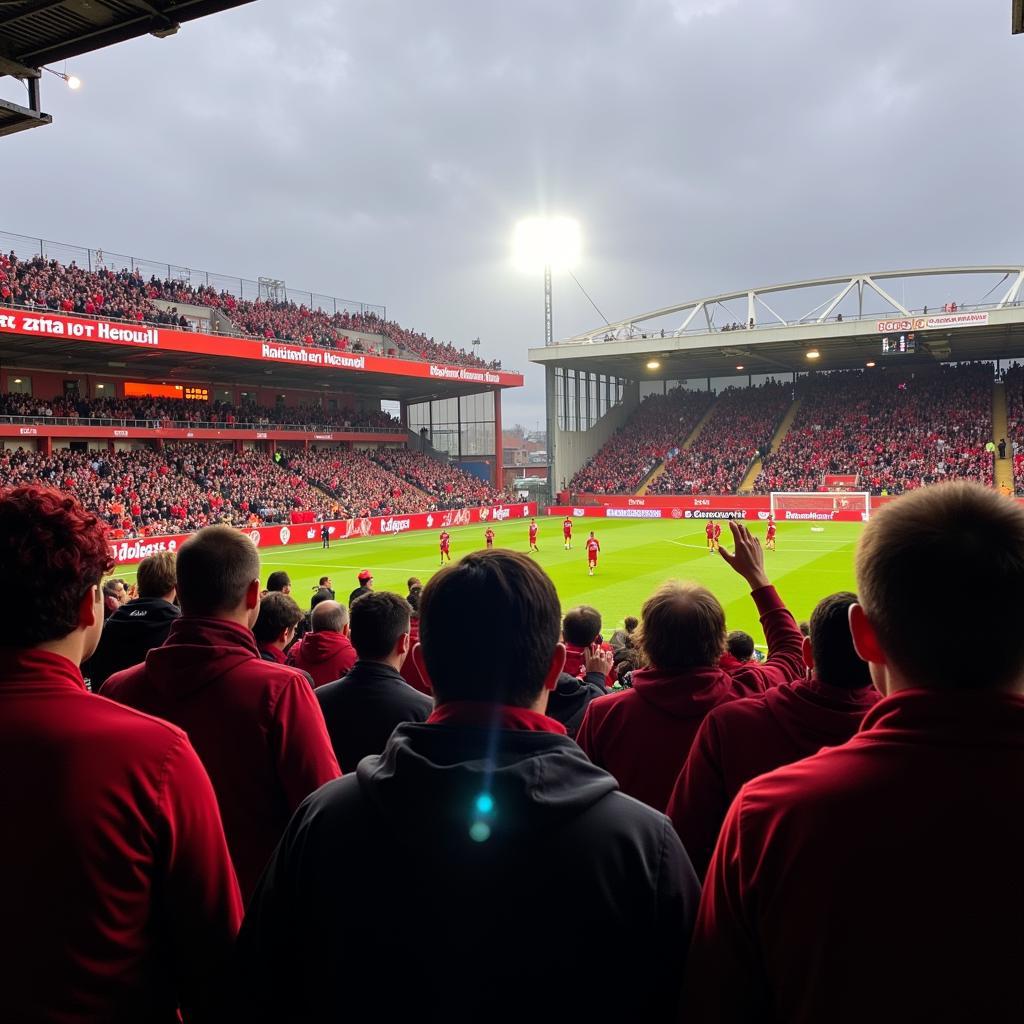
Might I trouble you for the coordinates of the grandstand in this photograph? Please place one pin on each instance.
(167, 399)
(830, 384)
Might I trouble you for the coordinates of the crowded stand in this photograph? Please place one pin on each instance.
(163, 412)
(245, 826)
(1013, 380)
(660, 425)
(896, 431)
(739, 430)
(358, 485)
(40, 283)
(448, 484)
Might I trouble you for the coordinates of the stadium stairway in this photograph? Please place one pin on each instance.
(1002, 475)
(691, 437)
(747, 483)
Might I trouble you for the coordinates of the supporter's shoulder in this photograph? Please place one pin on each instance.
(738, 712)
(152, 732)
(120, 684)
(608, 701)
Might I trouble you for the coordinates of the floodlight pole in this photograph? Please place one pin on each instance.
(548, 334)
(549, 439)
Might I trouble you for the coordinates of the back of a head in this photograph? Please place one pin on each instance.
(328, 617)
(158, 574)
(378, 618)
(940, 575)
(51, 552)
(740, 645)
(215, 568)
(277, 581)
(414, 597)
(630, 623)
(836, 663)
(682, 626)
(278, 612)
(581, 626)
(322, 594)
(489, 626)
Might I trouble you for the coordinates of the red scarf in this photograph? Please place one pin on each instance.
(481, 715)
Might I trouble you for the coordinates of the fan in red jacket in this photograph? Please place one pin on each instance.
(643, 734)
(581, 630)
(119, 899)
(881, 879)
(257, 726)
(326, 653)
(745, 738)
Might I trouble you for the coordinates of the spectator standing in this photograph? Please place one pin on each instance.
(484, 811)
(325, 536)
(279, 582)
(362, 710)
(745, 738)
(120, 902)
(624, 637)
(365, 579)
(326, 652)
(141, 624)
(256, 726)
(904, 841)
(643, 734)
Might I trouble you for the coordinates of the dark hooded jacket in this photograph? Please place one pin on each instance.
(381, 864)
(746, 738)
(128, 636)
(256, 726)
(362, 710)
(567, 702)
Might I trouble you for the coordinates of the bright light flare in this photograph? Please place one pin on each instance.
(813, 354)
(74, 82)
(539, 242)
(653, 364)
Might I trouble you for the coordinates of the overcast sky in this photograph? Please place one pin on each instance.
(382, 150)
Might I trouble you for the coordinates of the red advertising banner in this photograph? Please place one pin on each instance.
(86, 430)
(128, 551)
(54, 325)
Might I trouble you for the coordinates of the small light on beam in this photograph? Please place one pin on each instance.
(872, 363)
(653, 365)
(739, 366)
(74, 82)
(813, 353)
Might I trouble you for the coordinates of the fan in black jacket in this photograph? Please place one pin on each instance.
(471, 870)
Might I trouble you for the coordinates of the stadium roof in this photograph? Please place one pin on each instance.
(846, 328)
(38, 32)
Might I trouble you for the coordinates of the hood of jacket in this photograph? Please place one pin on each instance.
(809, 709)
(198, 652)
(689, 694)
(317, 648)
(538, 781)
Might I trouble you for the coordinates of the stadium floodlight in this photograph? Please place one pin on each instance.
(74, 82)
(653, 364)
(540, 242)
(870, 363)
(813, 353)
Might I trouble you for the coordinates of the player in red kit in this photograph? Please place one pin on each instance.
(533, 535)
(769, 540)
(445, 545)
(709, 531)
(489, 537)
(567, 533)
(718, 533)
(593, 547)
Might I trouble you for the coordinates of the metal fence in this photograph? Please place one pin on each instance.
(26, 247)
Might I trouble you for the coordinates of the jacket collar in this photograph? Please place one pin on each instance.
(481, 715)
(949, 716)
(212, 632)
(33, 667)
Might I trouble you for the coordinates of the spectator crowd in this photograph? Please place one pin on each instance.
(739, 430)
(210, 820)
(895, 430)
(660, 425)
(126, 294)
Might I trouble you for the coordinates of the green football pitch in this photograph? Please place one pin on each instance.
(636, 555)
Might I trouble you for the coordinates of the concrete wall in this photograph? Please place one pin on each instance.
(572, 448)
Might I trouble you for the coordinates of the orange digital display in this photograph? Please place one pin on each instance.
(136, 389)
